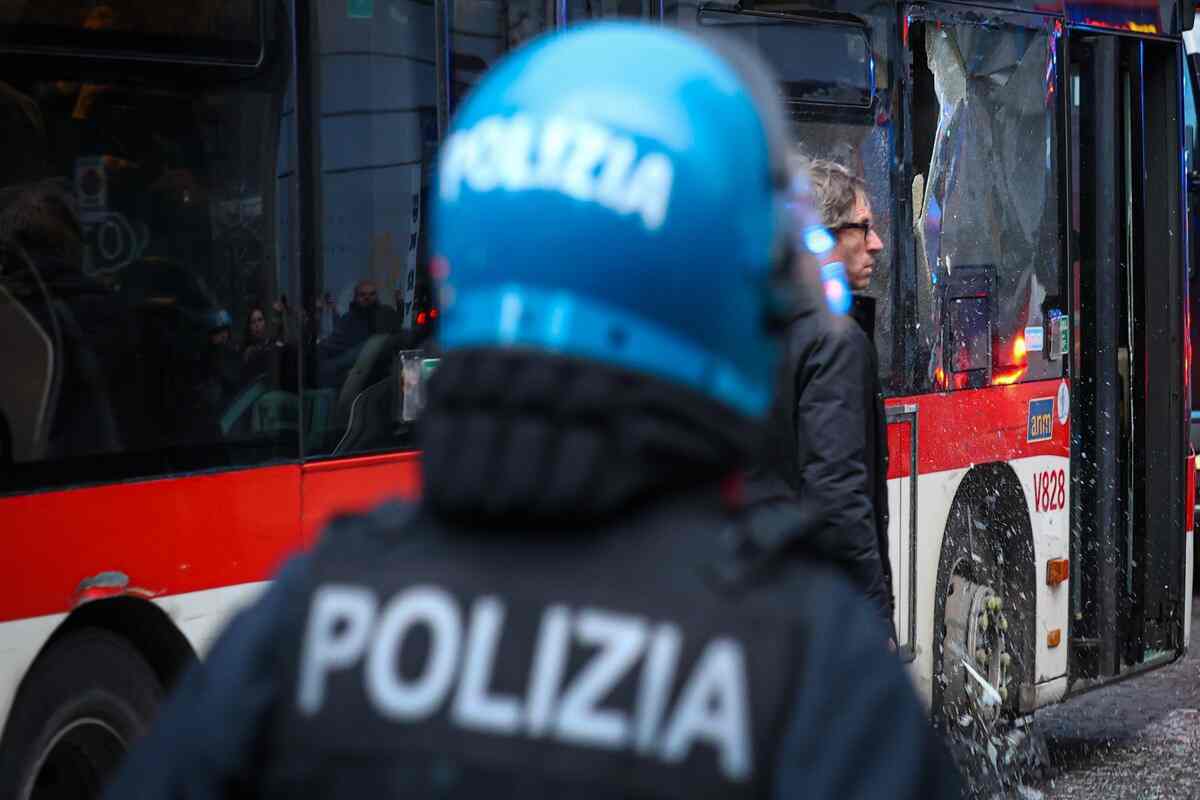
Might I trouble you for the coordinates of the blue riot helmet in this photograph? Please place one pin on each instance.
(630, 211)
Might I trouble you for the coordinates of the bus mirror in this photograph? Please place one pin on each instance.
(1187, 15)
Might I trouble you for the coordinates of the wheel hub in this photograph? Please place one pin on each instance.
(977, 634)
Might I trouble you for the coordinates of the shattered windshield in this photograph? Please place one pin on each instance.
(985, 188)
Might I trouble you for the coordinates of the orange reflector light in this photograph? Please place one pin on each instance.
(1057, 571)
(1054, 637)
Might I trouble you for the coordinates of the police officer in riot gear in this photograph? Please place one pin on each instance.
(560, 614)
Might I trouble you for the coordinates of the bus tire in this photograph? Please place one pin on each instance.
(88, 696)
(980, 615)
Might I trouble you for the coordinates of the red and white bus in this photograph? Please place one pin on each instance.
(214, 312)
(1028, 171)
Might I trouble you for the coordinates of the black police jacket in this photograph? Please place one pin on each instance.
(670, 681)
(490, 644)
(821, 485)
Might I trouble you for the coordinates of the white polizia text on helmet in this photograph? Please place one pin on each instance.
(348, 629)
(580, 159)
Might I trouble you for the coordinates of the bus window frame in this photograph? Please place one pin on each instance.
(266, 11)
(807, 107)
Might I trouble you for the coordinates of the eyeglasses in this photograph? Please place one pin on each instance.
(865, 227)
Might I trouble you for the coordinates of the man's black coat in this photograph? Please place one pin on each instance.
(822, 483)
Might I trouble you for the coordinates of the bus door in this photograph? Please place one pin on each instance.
(1128, 279)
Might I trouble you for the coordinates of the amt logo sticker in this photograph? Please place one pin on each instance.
(1041, 420)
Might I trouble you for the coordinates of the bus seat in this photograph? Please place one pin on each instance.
(373, 359)
(370, 419)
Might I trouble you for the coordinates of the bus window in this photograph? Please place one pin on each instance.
(844, 114)
(136, 246)
(371, 293)
(219, 32)
(985, 154)
(818, 63)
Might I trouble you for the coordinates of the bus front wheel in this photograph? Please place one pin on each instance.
(86, 699)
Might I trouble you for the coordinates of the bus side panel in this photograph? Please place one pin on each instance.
(355, 485)
(166, 537)
(200, 546)
(959, 430)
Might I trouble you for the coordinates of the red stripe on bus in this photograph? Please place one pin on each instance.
(355, 484)
(181, 534)
(956, 430)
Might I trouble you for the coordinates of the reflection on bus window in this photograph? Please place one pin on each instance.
(133, 247)
(987, 188)
(372, 299)
(819, 63)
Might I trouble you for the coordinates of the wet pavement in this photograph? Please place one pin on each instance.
(1139, 739)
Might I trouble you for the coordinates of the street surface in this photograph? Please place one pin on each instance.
(1139, 739)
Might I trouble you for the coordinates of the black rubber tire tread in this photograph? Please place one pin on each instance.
(976, 520)
(91, 672)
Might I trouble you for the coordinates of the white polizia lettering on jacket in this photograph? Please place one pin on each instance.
(348, 630)
(580, 159)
